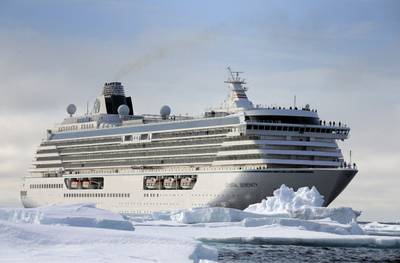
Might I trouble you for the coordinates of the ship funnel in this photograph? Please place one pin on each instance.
(113, 88)
(111, 98)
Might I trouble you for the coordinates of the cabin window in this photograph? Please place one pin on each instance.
(144, 136)
(128, 138)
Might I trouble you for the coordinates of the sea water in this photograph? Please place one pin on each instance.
(246, 253)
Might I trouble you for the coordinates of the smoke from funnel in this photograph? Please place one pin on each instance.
(162, 52)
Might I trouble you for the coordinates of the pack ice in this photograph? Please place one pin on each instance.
(82, 232)
(71, 232)
(287, 217)
(83, 215)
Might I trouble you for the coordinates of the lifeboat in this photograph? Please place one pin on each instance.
(169, 182)
(75, 184)
(86, 184)
(151, 183)
(186, 182)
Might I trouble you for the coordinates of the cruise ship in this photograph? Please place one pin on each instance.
(231, 156)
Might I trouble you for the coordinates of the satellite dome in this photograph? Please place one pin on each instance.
(123, 110)
(165, 111)
(71, 109)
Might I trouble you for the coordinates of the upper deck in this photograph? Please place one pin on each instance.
(237, 134)
(113, 115)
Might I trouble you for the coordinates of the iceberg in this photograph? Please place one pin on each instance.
(285, 199)
(301, 208)
(305, 203)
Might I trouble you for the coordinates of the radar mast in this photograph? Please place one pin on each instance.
(234, 78)
(237, 100)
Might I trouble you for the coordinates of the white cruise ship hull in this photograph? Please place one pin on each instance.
(127, 193)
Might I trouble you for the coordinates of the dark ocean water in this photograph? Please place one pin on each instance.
(245, 253)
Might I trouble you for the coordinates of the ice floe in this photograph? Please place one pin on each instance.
(72, 232)
(64, 233)
(83, 215)
(54, 243)
(210, 215)
(376, 228)
(288, 217)
(301, 208)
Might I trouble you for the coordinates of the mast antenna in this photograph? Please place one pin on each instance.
(234, 75)
(231, 72)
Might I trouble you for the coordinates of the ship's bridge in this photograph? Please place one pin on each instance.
(281, 115)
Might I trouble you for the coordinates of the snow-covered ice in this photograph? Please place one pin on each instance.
(376, 228)
(288, 217)
(85, 233)
(84, 215)
(285, 199)
(46, 243)
(305, 203)
(82, 231)
(210, 215)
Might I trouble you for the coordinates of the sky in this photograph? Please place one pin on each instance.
(341, 57)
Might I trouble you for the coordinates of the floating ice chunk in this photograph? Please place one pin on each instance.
(376, 228)
(308, 225)
(286, 199)
(342, 215)
(82, 215)
(210, 215)
(305, 203)
(162, 215)
(306, 219)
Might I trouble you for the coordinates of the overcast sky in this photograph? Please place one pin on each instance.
(341, 57)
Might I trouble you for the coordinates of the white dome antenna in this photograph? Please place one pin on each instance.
(123, 110)
(165, 111)
(71, 109)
